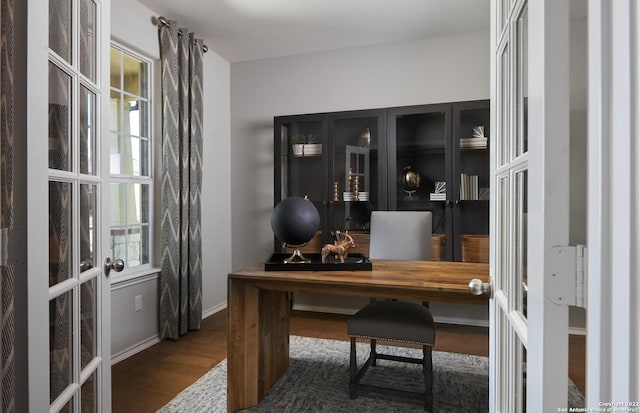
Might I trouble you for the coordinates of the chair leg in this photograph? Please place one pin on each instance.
(353, 370)
(428, 379)
(374, 355)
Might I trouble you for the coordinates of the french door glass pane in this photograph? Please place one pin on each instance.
(87, 39)
(59, 119)
(503, 107)
(521, 241)
(60, 232)
(502, 230)
(60, 343)
(88, 322)
(89, 392)
(68, 408)
(522, 394)
(87, 131)
(60, 28)
(88, 211)
(522, 76)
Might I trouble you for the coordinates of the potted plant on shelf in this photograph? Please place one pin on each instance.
(305, 145)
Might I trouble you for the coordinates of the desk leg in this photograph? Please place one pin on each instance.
(257, 342)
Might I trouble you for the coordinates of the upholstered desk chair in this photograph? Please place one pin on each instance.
(397, 235)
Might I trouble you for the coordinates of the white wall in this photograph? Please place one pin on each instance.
(132, 26)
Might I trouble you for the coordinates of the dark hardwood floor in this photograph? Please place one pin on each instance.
(147, 381)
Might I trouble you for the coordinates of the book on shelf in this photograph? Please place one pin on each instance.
(473, 143)
(468, 187)
(440, 187)
(442, 196)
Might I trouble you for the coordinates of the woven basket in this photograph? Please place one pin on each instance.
(438, 247)
(475, 248)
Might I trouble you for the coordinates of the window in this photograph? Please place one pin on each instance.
(131, 152)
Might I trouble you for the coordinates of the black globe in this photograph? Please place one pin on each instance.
(295, 220)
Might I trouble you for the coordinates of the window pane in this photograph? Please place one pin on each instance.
(60, 232)
(60, 28)
(87, 39)
(130, 158)
(59, 119)
(118, 207)
(135, 76)
(115, 111)
(144, 118)
(116, 69)
(134, 246)
(60, 344)
(88, 326)
(87, 131)
(88, 205)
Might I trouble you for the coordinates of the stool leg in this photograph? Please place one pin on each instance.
(427, 368)
(353, 370)
(374, 355)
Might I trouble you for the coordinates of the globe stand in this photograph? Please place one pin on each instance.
(296, 257)
(409, 195)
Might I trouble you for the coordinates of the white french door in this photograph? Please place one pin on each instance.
(68, 237)
(529, 203)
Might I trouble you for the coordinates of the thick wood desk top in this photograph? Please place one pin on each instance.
(417, 280)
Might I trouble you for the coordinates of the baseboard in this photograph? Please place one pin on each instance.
(135, 349)
(211, 311)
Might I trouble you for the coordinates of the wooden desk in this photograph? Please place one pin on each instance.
(259, 305)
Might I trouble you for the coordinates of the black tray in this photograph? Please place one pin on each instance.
(354, 262)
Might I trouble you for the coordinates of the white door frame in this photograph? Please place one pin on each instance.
(613, 232)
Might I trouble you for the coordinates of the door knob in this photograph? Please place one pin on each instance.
(477, 287)
(116, 265)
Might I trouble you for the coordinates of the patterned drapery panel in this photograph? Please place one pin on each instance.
(7, 363)
(181, 276)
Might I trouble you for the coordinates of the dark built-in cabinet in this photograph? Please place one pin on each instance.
(351, 163)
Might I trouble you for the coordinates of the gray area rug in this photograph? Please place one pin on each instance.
(318, 376)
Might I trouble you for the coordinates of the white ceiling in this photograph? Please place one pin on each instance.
(240, 30)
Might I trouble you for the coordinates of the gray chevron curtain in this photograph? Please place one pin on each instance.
(7, 273)
(181, 276)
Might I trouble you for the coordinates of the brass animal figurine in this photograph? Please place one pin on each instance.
(339, 248)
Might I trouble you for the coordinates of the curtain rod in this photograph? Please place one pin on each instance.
(162, 21)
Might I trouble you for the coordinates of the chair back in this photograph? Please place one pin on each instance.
(400, 235)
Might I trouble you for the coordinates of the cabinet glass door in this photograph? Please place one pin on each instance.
(355, 188)
(471, 181)
(301, 170)
(419, 173)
